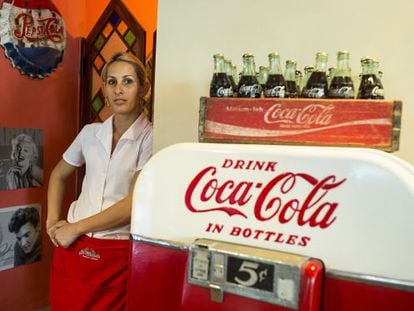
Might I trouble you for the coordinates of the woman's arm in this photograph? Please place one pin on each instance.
(55, 192)
(116, 215)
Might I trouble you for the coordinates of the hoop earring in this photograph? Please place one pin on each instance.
(107, 102)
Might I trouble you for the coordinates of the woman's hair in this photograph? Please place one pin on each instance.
(130, 59)
(24, 138)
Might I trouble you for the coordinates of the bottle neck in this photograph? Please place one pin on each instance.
(368, 69)
(308, 72)
(263, 75)
(219, 66)
(321, 62)
(234, 73)
(343, 68)
(376, 69)
(228, 68)
(249, 68)
(320, 65)
(274, 66)
(290, 73)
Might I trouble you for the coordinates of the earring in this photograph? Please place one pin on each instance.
(107, 101)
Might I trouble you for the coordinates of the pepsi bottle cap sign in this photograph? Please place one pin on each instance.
(33, 36)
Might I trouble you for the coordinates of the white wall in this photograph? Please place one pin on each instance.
(191, 31)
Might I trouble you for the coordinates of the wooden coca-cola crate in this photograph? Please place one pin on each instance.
(299, 121)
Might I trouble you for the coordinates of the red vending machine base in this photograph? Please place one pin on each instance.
(156, 276)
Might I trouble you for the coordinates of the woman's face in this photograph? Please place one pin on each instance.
(122, 87)
(23, 155)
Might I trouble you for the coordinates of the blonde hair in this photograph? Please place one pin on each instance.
(24, 138)
(139, 69)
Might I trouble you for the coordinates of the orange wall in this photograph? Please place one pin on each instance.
(88, 12)
(51, 104)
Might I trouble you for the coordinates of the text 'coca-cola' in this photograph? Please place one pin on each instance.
(287, 197)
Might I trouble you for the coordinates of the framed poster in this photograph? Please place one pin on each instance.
(20, 235)
(21, 158)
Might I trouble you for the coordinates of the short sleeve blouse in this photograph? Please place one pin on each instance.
(107, 176)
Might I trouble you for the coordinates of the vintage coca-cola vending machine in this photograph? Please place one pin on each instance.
(260, 227)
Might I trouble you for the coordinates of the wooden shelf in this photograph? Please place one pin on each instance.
(299, 121)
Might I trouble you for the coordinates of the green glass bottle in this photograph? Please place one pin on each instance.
(263, 75)
(275, 85)
(229, 71)
(341, 85)
(371, 85)
(290, 78)
(317, 84)
(307, 73)
(220, 85)
(248, 84)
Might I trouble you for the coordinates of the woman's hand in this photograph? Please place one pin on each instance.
(14, 177)
(52, 226)
(65, 233)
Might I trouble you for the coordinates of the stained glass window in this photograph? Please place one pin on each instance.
(107, 30)
(122, 27)
(115, 36)
(129, 38)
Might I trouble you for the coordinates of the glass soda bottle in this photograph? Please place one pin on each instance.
(378, 72)
(275, 85)
(263, 75)
(330, 74)
(317, 84)
(341, 85)
(370, 86)
(229, 71)
(299, 79)
(307, 73)
(220, 85)
(248, 84)
(290, 78)
(234, 73)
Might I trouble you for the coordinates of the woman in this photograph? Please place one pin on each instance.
(89, 269)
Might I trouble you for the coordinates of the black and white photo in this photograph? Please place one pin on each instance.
(21, 158)
(20, 235)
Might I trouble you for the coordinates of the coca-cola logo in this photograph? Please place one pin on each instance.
(288, 197)
(250, 89)
(315, 92)
(224, 92)
(40, 29)
(342, 92)
(377, 91)
(277, 91)
(313, 114)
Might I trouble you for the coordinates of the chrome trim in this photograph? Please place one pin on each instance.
(159, 242)
(286, 266)
(372, 279)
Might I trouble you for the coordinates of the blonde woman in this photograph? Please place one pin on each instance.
(89, 269)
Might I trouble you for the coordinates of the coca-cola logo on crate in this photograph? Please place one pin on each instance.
(312, 114)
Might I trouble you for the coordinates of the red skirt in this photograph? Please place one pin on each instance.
(90, 275)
